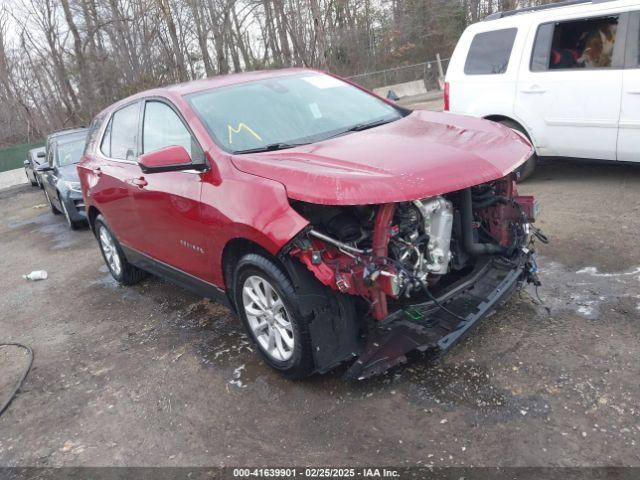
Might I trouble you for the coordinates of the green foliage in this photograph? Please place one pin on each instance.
(14, 156)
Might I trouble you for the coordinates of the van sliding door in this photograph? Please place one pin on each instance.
(569, 92)
(629, 128)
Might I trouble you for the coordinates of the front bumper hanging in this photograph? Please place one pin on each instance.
(426, 327)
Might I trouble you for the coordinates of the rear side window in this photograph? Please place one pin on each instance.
(584, 43)
(121, 136)
(489, 52)
(92, 134)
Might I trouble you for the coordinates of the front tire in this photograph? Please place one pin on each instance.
(527, 168)
(73, 224)
(266, 302)
(54, 210)
(121, 270)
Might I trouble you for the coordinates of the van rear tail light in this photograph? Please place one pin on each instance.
(446, 97)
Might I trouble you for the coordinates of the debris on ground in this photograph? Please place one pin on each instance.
(36, 275)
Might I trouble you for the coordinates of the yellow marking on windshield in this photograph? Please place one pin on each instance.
(241, 126)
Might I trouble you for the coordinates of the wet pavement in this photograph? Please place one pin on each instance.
(152, 375)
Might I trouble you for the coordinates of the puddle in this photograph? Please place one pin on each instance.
(51, 226)
(585, 291)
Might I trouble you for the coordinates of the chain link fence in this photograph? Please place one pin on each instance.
(431, 73)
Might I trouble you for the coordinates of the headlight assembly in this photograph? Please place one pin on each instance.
(73, 186)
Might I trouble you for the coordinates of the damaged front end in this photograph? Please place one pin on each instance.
(425, 271)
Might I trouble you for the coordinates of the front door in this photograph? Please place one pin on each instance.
(168, 203)
(569, 97)
(629, 128)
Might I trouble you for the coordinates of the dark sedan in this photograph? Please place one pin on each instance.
(35, 159)
(60, 177)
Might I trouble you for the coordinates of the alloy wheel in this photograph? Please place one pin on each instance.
(268, 318)
(111, 255)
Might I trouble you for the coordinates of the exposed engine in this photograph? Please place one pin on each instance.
(423, 242)
(397, 250)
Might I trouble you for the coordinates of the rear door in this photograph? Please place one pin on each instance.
(110, 173)
(629, 128)
(570, 104)
(168, 203)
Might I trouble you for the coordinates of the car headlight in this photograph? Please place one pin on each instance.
(73, 186)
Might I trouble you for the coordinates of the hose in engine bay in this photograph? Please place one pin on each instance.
(472, 247)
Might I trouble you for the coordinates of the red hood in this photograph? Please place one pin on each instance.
(421, 155)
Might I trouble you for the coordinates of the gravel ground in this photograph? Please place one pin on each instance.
(152, 375)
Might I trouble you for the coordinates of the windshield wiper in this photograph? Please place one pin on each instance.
(270, 148)
(365, 126)
(362, 126)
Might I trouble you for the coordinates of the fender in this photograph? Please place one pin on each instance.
(245, 206)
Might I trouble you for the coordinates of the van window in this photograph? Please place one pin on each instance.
(633, 42)
(489, 52)
(584, 43)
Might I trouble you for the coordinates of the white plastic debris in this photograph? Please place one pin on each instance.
(36, 275)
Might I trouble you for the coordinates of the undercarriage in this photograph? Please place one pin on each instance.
(423, 272)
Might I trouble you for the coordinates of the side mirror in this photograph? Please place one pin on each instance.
(41, 154)
(167, 159)
(44, 168)
(26, 163)
(391, 95)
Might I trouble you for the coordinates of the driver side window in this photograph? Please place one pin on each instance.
(163, 128)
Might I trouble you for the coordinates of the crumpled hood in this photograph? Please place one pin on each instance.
(418, 156)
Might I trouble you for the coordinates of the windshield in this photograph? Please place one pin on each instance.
(285, 111)
(70, 152)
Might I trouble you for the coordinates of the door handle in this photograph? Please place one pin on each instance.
(140, 182)
(533, 89)
(633, 92)
(97, 171)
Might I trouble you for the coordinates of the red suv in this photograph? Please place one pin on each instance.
(337, 224)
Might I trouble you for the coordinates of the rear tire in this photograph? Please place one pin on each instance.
(121, 270)
(266, 302)
(527, 168)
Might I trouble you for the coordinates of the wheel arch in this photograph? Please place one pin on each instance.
(335, 325)
(500, 118)
(233, 251)
(92, 214)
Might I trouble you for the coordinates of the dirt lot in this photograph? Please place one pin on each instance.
(152, 375)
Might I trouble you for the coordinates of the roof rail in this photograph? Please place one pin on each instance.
(565, 3)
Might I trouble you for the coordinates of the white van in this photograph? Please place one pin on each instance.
(567, 75)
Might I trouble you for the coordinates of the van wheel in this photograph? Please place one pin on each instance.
(121, 270)
(526, 169)
(266, 302)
